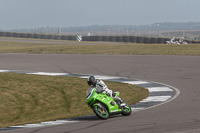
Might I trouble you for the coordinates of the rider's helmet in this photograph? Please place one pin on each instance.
(91, 81)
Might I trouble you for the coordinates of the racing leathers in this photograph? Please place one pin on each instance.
(101, 87)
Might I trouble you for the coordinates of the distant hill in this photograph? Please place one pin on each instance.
(166, 28)
(155, 26)
(172, 26)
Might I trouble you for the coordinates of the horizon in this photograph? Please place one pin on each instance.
(25, 14)
(93, 26)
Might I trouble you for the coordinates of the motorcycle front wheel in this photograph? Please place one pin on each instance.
(126, 110)
(100, 111)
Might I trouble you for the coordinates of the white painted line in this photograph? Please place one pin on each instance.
(105, 77)
(4, 70)
(156, 89)
(49, 74)
(136, 109)
(51, 123)
(15, 127)
(156, 99)
(57, 122)
(99, 77)
(65, 121)
(33, 125)
(83, 77)
(48, 123)
(135, 82)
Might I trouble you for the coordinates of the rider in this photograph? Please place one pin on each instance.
(101, 87)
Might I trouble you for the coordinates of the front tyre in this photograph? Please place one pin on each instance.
(100, 111)
(126, 110)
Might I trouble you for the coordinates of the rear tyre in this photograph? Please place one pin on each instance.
(100, 111)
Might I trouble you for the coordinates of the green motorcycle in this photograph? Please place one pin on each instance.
(104, 106)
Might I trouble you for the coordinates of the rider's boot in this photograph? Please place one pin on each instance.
(116, 98)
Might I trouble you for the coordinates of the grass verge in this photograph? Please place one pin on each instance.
(98, 48)
(34, 98)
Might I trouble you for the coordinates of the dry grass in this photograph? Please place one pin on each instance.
(34, 98)
(95, 48)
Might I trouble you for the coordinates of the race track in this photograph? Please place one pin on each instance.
(181, 115)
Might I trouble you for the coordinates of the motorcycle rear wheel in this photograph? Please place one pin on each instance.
(100, 111)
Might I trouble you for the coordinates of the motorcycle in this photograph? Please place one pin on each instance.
(104, 106)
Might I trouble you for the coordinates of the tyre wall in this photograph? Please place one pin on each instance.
(140, 39)
(132, 39)
(147, 40)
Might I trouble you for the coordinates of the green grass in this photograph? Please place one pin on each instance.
(34, 98)
(99, 48)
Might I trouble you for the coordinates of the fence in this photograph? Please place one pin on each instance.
(132, 39)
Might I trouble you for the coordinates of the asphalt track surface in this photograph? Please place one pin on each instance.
(181, 115)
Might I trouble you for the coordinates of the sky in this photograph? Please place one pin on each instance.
(25, 14)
